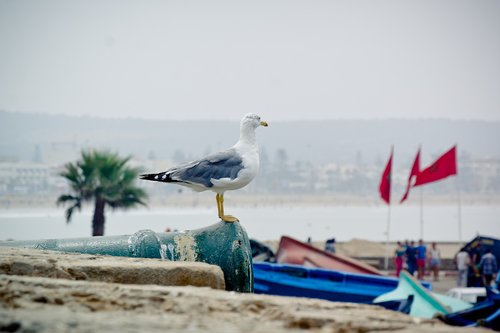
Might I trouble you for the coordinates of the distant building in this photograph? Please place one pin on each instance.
(23, 178)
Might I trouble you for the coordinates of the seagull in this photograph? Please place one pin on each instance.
(230, 169)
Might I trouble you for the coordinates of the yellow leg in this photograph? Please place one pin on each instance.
(220, 209)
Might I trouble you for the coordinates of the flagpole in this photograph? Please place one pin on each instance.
(385, 194)
(421, 213)
(387, 236)
(459, 199)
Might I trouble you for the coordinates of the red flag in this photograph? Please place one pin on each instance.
(415, 170)
(385, 182)
(443, 167)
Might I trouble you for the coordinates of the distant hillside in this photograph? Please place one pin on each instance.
(356, 141)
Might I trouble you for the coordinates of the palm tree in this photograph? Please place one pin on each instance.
(104, 178)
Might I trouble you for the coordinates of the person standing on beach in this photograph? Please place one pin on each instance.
(330, 245)
(462, 259)
(411, 259)
(435, 260)
(421, 257)
(474, 277)
(399, 255)
(489, 267)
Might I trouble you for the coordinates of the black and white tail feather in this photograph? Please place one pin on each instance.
(160, 177)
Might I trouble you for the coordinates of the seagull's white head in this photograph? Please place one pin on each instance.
(247, 128)
(252, 120)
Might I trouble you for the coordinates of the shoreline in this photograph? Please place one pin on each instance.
(239, 199)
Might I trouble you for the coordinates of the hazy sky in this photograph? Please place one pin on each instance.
(281, 59)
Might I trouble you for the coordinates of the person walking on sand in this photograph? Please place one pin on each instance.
(462, 260)
(435, 260)
(421, 257)
(489, 267)
(399, 255)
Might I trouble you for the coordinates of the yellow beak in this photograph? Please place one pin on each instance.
(263, 123)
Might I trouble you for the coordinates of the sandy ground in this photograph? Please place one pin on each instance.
(34, 304)
(447, 280)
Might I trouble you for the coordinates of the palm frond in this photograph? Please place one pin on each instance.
(70, 210)
(64, 198)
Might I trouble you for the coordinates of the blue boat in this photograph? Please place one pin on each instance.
(299, 281)
(483, 314)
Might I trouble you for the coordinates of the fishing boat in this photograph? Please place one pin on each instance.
(485, 314)
(426, 304)
(486, 243)
(300, 281)
(292, 251)
(401, 305)
(261, 252)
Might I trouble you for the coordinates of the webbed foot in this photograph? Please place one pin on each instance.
(229, 218)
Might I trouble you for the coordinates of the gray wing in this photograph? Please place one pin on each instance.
(226, 164)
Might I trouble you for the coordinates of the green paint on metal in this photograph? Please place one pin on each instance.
(144, 244)
(223, 244)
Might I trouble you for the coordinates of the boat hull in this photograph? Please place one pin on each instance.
(486, 314)
(300, 281)
(425, 304)
(292, 251)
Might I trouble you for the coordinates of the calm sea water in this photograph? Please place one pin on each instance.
(267, 223)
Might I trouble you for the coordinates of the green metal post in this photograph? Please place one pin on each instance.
(223, 244)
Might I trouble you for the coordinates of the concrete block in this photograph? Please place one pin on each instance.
(71, 266)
